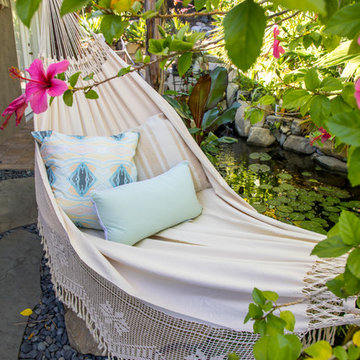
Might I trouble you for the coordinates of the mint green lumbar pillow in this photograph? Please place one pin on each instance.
(134, 211)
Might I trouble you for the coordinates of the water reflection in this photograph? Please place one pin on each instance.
(287, 186)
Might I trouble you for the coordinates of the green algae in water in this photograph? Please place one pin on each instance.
(292, 197)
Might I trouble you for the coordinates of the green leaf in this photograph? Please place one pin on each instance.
(289, 318)
(337, 286)
(255, 312)
(340, 353)
(194, 37)
(179, 45)
(331, 247)
(219, 83)
(266, 100)
(331, 84)
(354, 166)
(158, 4)
(317, 6)
(338, 105)
(259, 327)
(277, 347)
(138, 56)
(74, 79)
(348, 94)
(199, 4)
(353, 262)
(274, 325)
(258, 297)
(209, 118)
(271, 295)
(307, 41)
(91, 94)
(321, 350)
(157, 47)
(312, 80)
(184, 63)
(124, 71)
(353, 352)
(295, 98)
(181, 33)
(320, 110)
(226, 117)
(349, 226)
(351, 283)
(149, 14)
(51, 100)
(68, 97)
(255, 115)
(26, 9)
(346, 126)
(112, 26)
(72, 5)
(331, 7)
(147, 59)
(354, 47)
(345, 22)
(244, 28)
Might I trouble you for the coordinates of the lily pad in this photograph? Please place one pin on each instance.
(265, 187)
(285, 209)
(330, 208)
(261, 156)
(306, 174)
(281, 215)
(274, 202)
(297, 216)
(286, 187)
(334, 217)
(354, 204)
(309, 215)
(259, 168)
(285, 176)
(312, 226)
(321, 221)
(304, 207)
(283, 199)
(260, 208)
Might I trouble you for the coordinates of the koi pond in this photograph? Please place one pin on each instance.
(287, 186)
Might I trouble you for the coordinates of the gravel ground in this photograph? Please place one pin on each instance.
(15, 174)
(45, 335)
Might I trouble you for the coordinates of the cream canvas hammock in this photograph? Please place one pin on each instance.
(183, 293)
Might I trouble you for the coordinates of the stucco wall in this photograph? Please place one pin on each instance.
(9, 88)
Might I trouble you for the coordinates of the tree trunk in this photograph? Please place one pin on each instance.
(153, 72)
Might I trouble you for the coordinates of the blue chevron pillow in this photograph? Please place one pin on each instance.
(77, 165)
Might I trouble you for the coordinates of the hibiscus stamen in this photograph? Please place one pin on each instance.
(15, 73)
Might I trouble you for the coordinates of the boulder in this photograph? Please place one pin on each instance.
(296, 127)
(272, 119)
(231, 93)
(232, 75)
(242, 126)
(279, 136)
(331, 163)
(260, 137)
(327, 149)
(298, 144)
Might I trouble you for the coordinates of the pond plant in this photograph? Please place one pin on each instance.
(324, 89)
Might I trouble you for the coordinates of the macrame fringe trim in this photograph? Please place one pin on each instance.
(75, 303)
(314, 335)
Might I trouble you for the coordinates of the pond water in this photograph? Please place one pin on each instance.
(287, 186)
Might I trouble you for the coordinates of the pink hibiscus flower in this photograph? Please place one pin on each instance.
(323, 136)
(357, 92)
(18, 107)
(42, 83)
(277, 49)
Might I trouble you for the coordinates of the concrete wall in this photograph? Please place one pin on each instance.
(9, 88)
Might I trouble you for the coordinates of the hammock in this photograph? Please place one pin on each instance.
(183, 293)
